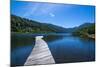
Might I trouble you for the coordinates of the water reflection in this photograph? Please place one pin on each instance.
(64, 47)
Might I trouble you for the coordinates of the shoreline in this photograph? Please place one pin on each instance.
(92, 36)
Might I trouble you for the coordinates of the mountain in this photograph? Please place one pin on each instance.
(86, 25)
(85, 30)
(19, 24)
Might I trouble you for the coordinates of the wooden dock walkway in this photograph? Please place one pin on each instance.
(40, 53)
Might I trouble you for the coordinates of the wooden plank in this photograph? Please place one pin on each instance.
(40, 53)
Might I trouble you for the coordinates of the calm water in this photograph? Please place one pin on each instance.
(64, 48)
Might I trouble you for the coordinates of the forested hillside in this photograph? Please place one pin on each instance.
(19, 24)
(85, 30)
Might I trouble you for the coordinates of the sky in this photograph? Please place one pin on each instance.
(64, 15)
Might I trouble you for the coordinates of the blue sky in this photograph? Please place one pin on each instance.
(65, 15)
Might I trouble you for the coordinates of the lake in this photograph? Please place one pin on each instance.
(64, 47)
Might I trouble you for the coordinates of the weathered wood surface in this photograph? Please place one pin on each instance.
(40, 53)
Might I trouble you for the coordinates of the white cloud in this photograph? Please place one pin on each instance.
(51, 14)
(41, 9)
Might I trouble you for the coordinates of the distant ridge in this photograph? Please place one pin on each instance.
(23, 25)
(86, 25)
(19, 24)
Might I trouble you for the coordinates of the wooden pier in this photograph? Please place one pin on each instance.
(40, 53)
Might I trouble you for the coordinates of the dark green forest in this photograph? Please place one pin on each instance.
(24, 25)
(85, 30)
